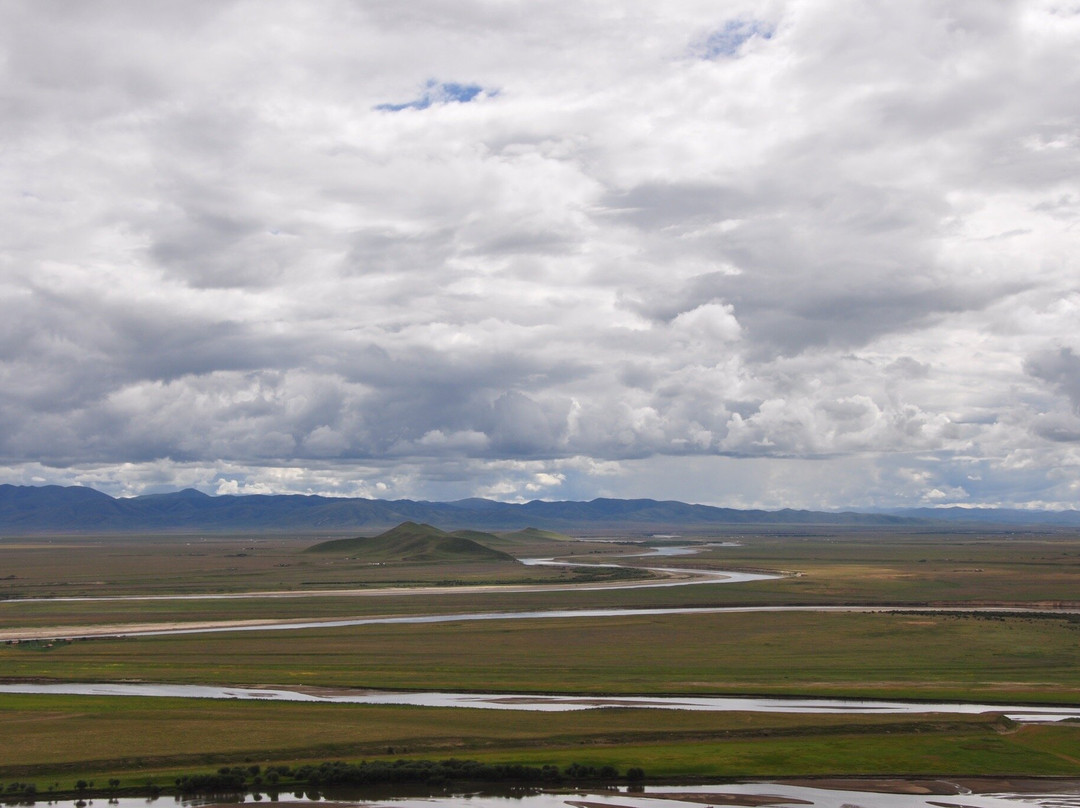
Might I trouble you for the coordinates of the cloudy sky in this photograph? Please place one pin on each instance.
(807, 253)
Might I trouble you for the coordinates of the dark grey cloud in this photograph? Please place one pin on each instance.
(250, 249)
(1057, 429)
(1060, 368)
(839, 267)
(658, 206)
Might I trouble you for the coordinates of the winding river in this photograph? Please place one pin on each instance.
(668, 577)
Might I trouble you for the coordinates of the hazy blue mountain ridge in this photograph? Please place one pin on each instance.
(996, 516)
(35, 509)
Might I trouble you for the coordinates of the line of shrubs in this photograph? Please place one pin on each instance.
(19, 789)
(428, 772)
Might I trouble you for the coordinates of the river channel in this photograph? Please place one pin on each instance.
(544, 703)
(893, 793)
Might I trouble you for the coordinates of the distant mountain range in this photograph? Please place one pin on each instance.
(996, 516)
(38, 509)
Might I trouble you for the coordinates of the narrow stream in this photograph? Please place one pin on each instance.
(542, 703)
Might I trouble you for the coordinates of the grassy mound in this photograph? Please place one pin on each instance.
(410, 541)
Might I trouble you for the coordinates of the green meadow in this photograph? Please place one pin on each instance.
(920, 656)
(952, 655)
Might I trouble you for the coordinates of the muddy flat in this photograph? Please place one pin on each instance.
(726, 799)
(878, 786)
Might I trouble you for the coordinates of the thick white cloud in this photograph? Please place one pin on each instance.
(787, 252)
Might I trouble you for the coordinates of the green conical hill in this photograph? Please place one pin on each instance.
(410, 541)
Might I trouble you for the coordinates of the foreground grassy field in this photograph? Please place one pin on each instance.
(935, 656)
(136, 740)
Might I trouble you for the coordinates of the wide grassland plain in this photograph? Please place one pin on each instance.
(952, 655)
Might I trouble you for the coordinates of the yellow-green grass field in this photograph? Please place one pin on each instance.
(897, 567)
(935, 656)
(134, 565)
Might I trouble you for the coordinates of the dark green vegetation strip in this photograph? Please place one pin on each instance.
(309, 778)
(339, 773)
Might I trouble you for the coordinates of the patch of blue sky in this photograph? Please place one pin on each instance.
(727, 40)
(439, 92)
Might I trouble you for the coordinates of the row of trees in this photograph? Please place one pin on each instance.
(429, 772)
(239, 779)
